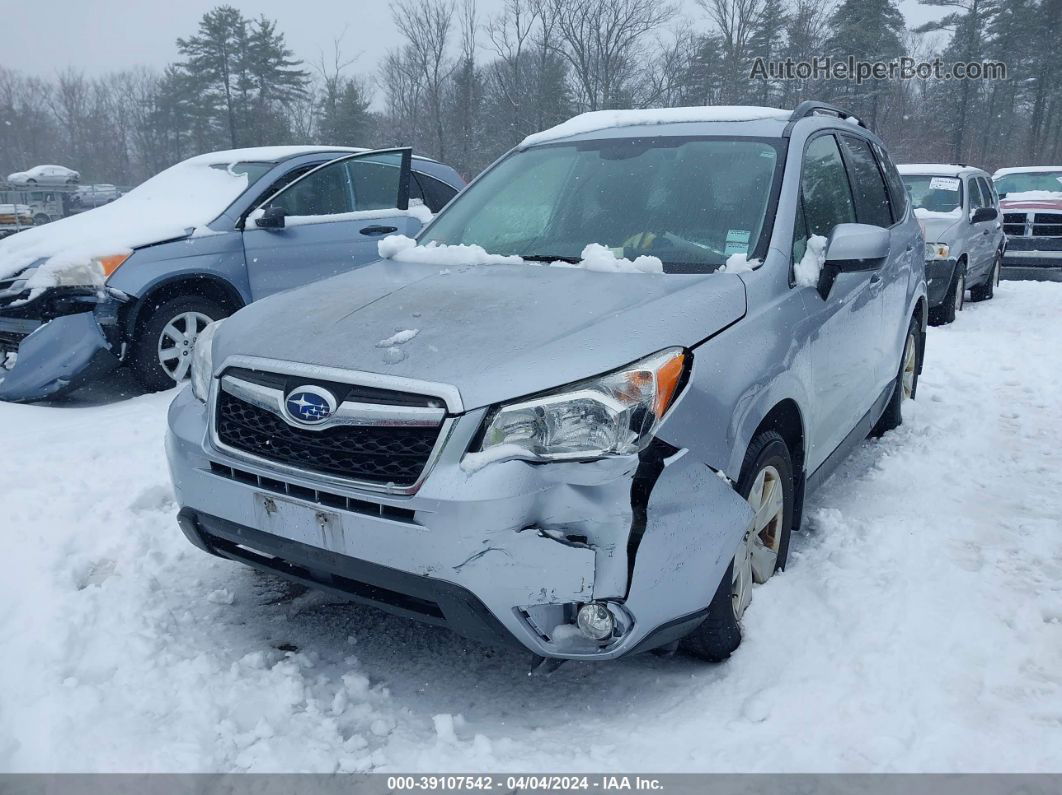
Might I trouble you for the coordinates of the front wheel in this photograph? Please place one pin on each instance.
(767, 485)
(953, 301)
(985, 292)
(162, 352)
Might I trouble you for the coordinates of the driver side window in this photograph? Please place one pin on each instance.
(825, 197)
(327, 191)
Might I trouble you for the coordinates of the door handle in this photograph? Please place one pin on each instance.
(378, 230)
(875, 278)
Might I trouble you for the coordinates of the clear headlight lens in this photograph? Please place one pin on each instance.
(613, 414)
(203, 361)
(937, 250)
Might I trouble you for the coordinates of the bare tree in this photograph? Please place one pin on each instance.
(602, 41)
(426, 26)
(736, 22)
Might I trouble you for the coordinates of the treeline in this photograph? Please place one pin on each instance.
(464, 87)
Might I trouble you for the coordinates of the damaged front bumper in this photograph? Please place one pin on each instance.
(507, 553)
(56, 341)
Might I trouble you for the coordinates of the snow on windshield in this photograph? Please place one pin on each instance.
(595, 257)
(597, 120)
(169, 205)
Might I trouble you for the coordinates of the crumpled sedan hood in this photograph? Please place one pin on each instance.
(495, 332)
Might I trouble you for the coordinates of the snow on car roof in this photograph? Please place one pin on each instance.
(597, 120)
(1025, 170)
(266, 154)
(935, 169)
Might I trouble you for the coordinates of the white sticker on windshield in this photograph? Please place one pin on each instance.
(1059, 177)
(944, 183)
(737, 241)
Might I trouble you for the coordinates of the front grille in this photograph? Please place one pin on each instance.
(326, 498)
(1014, 224)
(383, 455)
(1047, 225)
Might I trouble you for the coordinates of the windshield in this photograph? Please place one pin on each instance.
(690, 202)
(934, 193)
(1029, 181)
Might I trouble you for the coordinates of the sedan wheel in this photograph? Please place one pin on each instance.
(177, 341)
(758, 557)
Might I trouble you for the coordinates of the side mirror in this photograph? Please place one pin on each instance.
(857, 247)
(984, 214)
(853, 248)
(271, 218)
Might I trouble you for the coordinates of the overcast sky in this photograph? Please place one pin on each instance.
(42, 37)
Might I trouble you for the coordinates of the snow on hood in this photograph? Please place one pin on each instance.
(594, 257)
(1034, 196)
(169, 205)
(605, 119)
(927, 215)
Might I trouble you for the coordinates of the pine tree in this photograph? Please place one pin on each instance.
(868, 30)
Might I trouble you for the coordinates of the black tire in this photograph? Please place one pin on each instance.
(144, 350)
(986, 291)
(719, 635)
(953, 301)
(892, 417)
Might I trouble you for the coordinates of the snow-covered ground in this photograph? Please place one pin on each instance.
(919, 626)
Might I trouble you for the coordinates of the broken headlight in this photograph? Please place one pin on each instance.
(612, 414)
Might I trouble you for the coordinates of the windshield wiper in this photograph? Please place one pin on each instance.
(549, 258)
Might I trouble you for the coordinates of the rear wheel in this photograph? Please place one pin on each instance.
(985, 292)
(162, 352)
(766, 482)
(906, 383)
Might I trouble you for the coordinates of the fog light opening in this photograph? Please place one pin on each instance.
(595, 621)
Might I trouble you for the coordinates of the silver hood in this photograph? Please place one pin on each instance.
(495, 332)
(940, 230)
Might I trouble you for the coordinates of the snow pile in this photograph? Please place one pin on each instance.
(806, 272)
(1034, 195)
(597, 120)
(594, 257)
(398, 338)
(739, 263)
(418, 211)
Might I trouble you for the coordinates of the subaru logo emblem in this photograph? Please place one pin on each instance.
(309, 405)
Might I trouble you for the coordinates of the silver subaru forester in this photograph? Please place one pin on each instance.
(582, 410)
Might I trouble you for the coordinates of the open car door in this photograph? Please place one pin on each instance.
(328, 220)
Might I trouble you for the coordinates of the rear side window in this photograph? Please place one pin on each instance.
(824, 187)
(868, 186)
(988, 192)
(897, 191)
(435, 194)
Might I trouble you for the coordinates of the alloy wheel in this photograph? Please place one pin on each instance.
(177, 342)
(995, 273)
(960, 292)
(758, 556)
(910, 366)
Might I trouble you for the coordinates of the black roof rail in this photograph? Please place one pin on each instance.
(811, 107)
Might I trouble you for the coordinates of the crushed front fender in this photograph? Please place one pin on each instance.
(58, 356)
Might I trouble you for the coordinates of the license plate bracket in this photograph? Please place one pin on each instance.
(297, 521)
